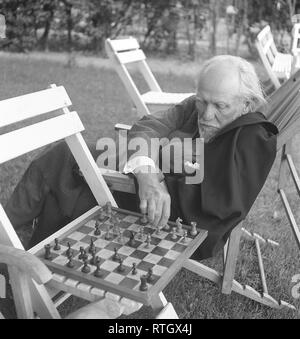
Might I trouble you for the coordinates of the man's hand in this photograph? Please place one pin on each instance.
(154, 197)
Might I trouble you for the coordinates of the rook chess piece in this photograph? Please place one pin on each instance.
(48, 255)
(143, 286)
(57, 246)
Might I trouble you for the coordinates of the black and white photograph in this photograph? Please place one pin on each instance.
(149, 162)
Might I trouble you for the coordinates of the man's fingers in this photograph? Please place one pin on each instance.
(143, 206)
(166, 211)
(151, 210)
(157, 212)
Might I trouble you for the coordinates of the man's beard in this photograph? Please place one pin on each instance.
(207, 132)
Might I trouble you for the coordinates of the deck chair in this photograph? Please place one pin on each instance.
(278, 65)
(123, 52)
(283, 111)
(65, 126)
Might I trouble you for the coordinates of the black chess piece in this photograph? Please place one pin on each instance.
(93, 260)
(116, 256)
(81, 249)
(92, 246)
(85, 268)
(143, 286)
(121, 268)
(70, 263)
(56, 246)
(150, 278)
(48, 255)
(69, 251)
(97, 231)
(134, 271)
(98, 273)
(131, 241)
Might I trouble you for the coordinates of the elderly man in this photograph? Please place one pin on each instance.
(240, 147)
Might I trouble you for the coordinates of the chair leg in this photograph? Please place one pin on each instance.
(230, 259)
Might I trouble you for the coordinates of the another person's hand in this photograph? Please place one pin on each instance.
(154, 197)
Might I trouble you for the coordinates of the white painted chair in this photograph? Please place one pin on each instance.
(122, 52)
(66, 126)
(278, 65)
(296, 44)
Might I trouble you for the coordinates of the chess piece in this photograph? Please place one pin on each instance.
(108, 209)
(121, 267)
(143, 286)
(184, 236)
(107, 235)
(148, 240)
(120, 237)
(85, 268)
(144, 219)
(69, 250)
(98, 273)
(131, 241)
(193, 230)
(81, 250)
(174, 235)
(134, 271)
(92, 246)
(116, 256)
(150, 278)
(57, 246)
(179, 226)
(70, 263)
(97, 231)
(94, 259)
(48, 255)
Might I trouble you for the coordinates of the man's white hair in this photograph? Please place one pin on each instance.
(250, 89)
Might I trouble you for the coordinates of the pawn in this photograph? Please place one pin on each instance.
(70, 263)
(116, 256)
(85, 268)
(97, 231)
(148, 240)
(134, 271)
(174, 235)
(193, 231)
(143, 286)
(121, 268)
(98, 273)
(150, 278)
(57, 246)
(184, 236)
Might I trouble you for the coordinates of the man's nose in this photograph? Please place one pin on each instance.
(209, 112)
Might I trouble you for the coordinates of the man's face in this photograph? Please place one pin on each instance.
(218, 100)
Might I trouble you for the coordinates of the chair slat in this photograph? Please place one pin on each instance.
(120, 45)
(131, 56)
(12, 144)
(27, 106)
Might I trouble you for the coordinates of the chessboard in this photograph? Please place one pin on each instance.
(121, 252)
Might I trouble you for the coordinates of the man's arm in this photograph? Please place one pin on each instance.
(154, 197)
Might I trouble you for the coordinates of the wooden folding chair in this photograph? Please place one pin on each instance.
(278, 65)
(122, 52)
(282, 110)
(67, 125)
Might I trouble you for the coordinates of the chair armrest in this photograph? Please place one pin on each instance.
(117, 181)
(25, 262)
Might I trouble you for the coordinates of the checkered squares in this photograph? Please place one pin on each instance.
(158, 256)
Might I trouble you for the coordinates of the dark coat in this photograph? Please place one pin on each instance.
(236, 164)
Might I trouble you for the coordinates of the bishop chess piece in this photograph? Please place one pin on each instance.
(56, 246)
(48, 255)
(193, 231)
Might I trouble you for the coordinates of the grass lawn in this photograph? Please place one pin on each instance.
(101, 101)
